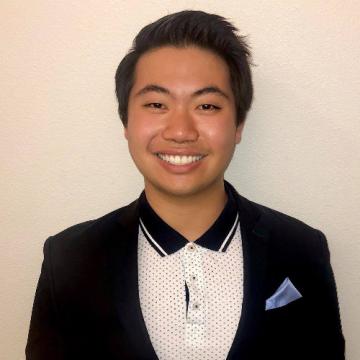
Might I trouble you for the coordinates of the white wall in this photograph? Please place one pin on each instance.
(64, 159)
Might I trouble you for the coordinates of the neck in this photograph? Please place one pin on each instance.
(190, 215)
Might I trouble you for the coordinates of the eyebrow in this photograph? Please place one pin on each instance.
(160, 89)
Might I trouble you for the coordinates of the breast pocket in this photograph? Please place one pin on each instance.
(287, 328)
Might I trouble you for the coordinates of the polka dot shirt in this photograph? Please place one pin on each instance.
(190, 292)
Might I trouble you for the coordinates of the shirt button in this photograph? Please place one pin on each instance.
(191, 247)
(196, 306)
(193, 277)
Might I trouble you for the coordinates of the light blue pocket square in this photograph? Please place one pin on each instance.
(285, 294)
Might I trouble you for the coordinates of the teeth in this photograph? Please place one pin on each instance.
(179, 160)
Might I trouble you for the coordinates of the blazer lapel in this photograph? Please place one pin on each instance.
(254, 233)
(124, 283)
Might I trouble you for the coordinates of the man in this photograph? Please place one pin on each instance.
(190, 270)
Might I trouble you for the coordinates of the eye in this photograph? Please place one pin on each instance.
(155, 106)
(209, 107)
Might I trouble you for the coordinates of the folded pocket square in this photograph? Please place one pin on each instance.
(285, 294)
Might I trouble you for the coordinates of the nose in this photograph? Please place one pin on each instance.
(180, 127)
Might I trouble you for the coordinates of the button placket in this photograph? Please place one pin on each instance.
(194, 277)
(194, 280)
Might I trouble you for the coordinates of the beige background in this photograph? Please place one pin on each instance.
(64, 159)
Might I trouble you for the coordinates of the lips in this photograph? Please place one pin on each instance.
(180, 159)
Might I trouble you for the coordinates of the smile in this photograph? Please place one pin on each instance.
(180, 159)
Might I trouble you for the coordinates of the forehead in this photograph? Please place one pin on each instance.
(181, 69)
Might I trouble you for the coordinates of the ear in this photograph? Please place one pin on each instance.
(126, 133)
(239, 131)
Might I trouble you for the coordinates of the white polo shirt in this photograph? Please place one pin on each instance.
(190, 292)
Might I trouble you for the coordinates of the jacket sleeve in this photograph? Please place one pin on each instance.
(44, 338)
(327, 309)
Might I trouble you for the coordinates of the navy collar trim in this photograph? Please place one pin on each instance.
(165, 240)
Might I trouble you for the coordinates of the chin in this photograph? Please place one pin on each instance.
(183, 189)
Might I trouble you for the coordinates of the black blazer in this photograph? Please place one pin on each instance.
(87, 302)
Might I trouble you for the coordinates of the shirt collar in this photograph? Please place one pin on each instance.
(166, 240)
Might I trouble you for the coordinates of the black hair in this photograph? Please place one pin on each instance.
(186, 28)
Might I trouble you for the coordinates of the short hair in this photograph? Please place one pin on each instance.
(187, 28)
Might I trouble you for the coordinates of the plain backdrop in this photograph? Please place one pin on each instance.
(64, 158)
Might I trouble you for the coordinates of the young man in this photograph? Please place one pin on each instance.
(190, 270)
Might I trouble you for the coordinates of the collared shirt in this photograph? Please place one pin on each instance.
(190, 292)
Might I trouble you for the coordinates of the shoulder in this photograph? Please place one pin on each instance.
(270, 219)
(92, 234)
(285, 234)
(279, 221)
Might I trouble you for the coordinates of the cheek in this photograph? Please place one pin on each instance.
(141, 134)
(138, 126)
(221, 137)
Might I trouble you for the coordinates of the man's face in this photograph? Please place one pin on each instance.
(181, 128)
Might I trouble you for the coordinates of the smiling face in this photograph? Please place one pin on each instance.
(181, 128)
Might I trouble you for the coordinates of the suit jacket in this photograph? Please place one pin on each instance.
(87, 301)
